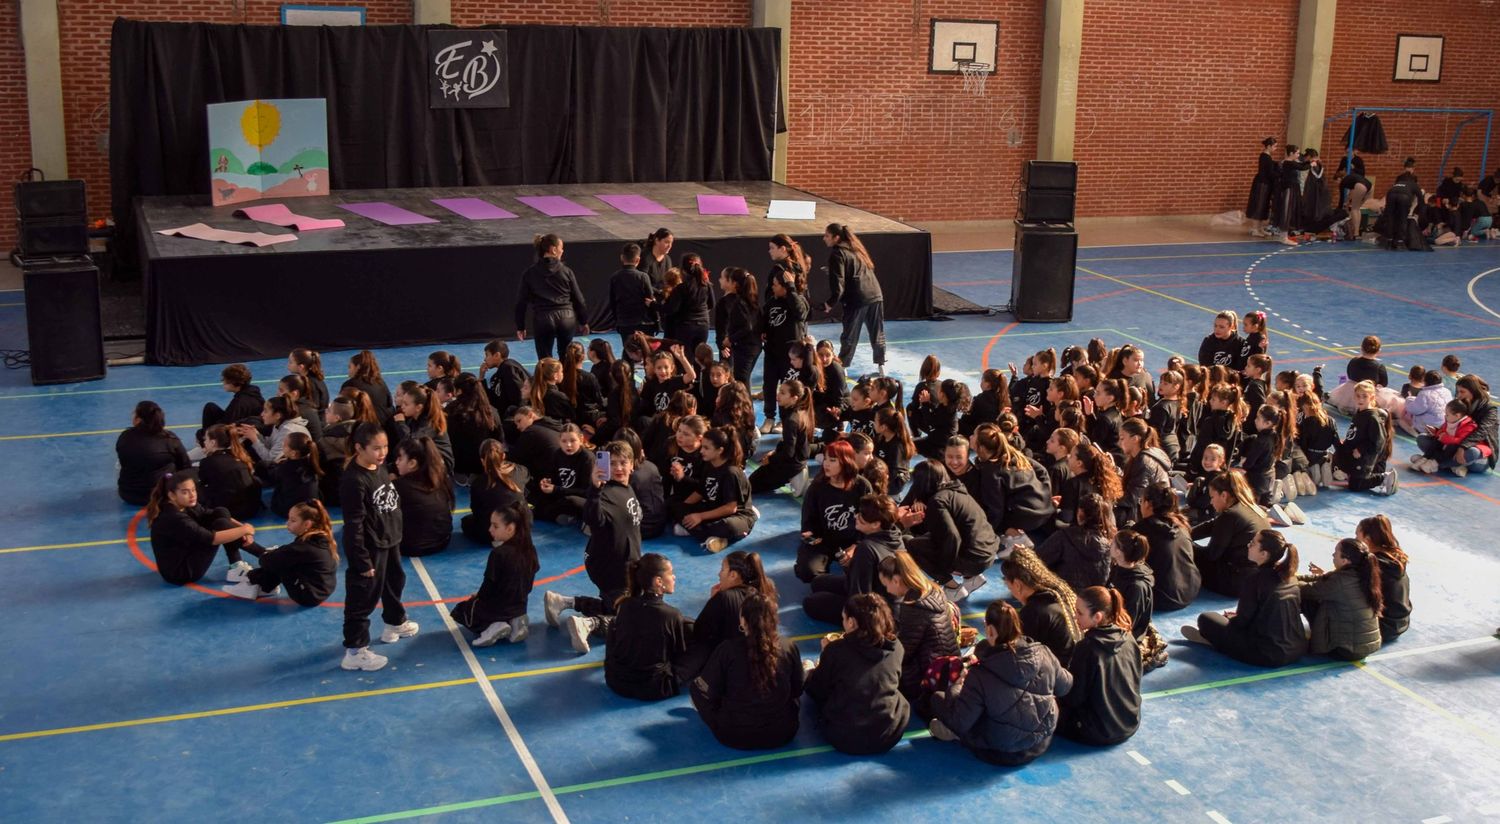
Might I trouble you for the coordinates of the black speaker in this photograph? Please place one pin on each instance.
(1041, 284)
(63, 324)
(1051, 174)
(1047, 206)
(51, 198)
(52, 236)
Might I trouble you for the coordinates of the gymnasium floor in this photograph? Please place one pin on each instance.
(126, 699)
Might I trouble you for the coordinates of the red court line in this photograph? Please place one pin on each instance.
(1442, 351)
(1413, 301)
(135, 550)
(1463, 488)
(984, 360)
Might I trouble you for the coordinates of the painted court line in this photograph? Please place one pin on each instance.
(1437, 819)
(1479, 731)
(1138, 758)
(494, 700)
(1177, 787)
(1214, 816)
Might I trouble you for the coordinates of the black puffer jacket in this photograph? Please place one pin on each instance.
(1007, 703)
(1077, 555)
(925, 627)
(1488, 430)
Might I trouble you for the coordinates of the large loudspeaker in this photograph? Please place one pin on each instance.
(63, 322)
(1051, 174)
(52, 236)
(51, 198)
(1041, 286)
(1047, 206)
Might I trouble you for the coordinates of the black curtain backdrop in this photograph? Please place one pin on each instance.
(587, 105)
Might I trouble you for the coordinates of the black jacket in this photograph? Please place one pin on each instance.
(856, 686)
(229, 484)
(372, 515)
(549, 286)
(614, 518)
(426, 517)
(1008, 700)
(502, 595)
(1267, 628)
(1150, 467)
(792, 449)
(246, 403)
(1047, 620)
(486, 496)
(380, 396)
(717, 622)
(1487, 431)
(690, 305)
(1104, 705)
(1135, 586)
(735, 323)
(850, 281)
(504, 384)
(1078, 556)
(1165, 416)
(1224, 560)
(743, 716)
(293, 481)
(144, 459)
(306, 568)
(644, 639)
(1216, 352)
(1015, 498)
(925, 627)
(1395, 592)
(1176, 576)
(535, 447)
(957, 524)
(785, 322)
(650, 492)
(628, 290)
(465, 434)
(179, 534)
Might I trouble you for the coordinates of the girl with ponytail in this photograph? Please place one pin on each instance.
(307, 567)
(748, 693)
(309, 364)
(1266, 629)
(689, 308)
(719, 512)
(226, 475)
(498, 610)
(646, 635)
(1047, 613)
(1395, 589)
(1104, 705)
(185, 536)
(426, 498)
(788, 461)
(501, 484)
(1345, 604)
(741, 576)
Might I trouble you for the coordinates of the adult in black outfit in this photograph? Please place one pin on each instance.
(1395, 224)
(852, 283)
(551, 293)
(1259, 207)
(1286, 213)
(685, 313)
(655, 261)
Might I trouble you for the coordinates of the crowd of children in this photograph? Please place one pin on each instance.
(1108, 496)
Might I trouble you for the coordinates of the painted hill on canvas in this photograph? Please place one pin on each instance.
(268, 149)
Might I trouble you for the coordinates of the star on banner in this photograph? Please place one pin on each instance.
(488, 47)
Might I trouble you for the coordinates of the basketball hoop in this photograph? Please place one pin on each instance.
(974, 76)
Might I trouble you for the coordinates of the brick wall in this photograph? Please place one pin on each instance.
(85, 28)
(1360, 74)
(870, 127)
(604, 12)
(15, 135)
(1174, 98)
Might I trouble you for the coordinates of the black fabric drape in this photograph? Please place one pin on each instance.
(588, 105)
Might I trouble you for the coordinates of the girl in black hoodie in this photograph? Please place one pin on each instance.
(372, 543)
(1047, 614)
(146, 451)
(737, 322)
(741, 576)
(784, 321)
(894, 448)
(992, 398)
(1223, 347)
(953, 401)
(789, 460)
(1266, 629)
(501, 484)
(426, 498)
(1014, 490)
(1169, 550)
(564, 484)
(1367, 443)
(1079, 554)
(1104, 706)
(246, 402)
(364, 375)
(857, 681)
(647, 634)
(497, 611)
(719, 508)
(926, 623)
(879, 538)
(185, 536)
(550, 292)
(307, 567)
(297, 477)
(749, 692)
(1006, 710)
(226, 475)
(828, 509)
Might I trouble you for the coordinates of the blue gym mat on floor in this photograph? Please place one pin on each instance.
(126, 699)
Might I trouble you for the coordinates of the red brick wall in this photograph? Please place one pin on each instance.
(15, 129)
(870, 127)
(1174, 97)
(85, 28)
(1364, 53)
(603, 12)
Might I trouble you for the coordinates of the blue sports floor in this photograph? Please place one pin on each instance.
(124, 699)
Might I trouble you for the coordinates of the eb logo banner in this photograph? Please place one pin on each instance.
(467, 69)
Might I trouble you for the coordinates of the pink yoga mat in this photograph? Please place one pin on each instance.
(277, 214)
(473, 208)
(556, 206)
(635, 204)
(386, 213)
(722, 205)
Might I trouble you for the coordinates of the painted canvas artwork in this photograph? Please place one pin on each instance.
(268, 149)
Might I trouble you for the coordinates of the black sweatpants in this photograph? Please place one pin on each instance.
(872, 315)
(548, 508)
(769, 477)
(826, 601)
(742, 358)
(551, 326)
(734, 731)
(295, 590)
(690, 335)
(731, 529)
(364, 593)
(189, 564)
(813, 560)
(770, 378)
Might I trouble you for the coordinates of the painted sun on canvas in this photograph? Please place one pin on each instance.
(268, 149)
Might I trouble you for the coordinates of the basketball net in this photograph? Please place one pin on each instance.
(974, 76)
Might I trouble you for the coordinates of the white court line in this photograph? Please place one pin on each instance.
(1112, 246)
(1139, 759)
(1181, 790)
(1476, 300)
(1437, 819)
(489, 693)
(1218, 818)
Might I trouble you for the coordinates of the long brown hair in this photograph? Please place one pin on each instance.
(763, 640)
(314, 512)
(366, 367)
(496, 468)
(1101, 474)
(622, 372)
(516, 515)
(220, 436)
(165, 485)
(431, 471)
(891, 418)
(310, 361)
(1377, 533)
(1366, 567)
(874, 623)
(748, 566)
(1164, 505)
(802, 405)
(994, 444)
(303, 444)
(1107, 602)
(361, 408)
(572, 364)
(845, 237)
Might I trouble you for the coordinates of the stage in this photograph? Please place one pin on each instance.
(373, 285)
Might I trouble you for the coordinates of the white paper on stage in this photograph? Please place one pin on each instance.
(792, 210)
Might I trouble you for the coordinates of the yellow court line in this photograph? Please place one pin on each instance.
(1253, 253)
(1203, 308)
(1385, 345)
(79, 434)
(1476, 729)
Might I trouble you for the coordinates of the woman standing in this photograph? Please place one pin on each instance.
(852, 283)
(1259, 208)
(550, 292)
(689, 306)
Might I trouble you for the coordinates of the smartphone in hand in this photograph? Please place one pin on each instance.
(601, 463)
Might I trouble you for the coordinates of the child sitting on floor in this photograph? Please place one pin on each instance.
(1457, 426)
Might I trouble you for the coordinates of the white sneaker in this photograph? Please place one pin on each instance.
(391, 635)
(1416, 460)
(1296, 514)
(972, 584)
(1192, 634)
(492, 633)
(954, 592)
(1305, 484)
(1389, 483)
(940, 731)
(237, 572)
(1289, 488)
(520, 628)
(765, 428)
(553, 606)
(715, 545)
(755, 511)
(680, 531)
(579, 628)
(775, 429)
(1460, 471)
(1278, 516)
(363, 659)
(243, 589)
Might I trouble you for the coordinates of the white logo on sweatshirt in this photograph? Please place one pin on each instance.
(634, 508)
(777, 315)
(1033, 397)
(792, 374)
(1222, 358)
(661, 401)
(711, 488)
(838, 516)
(566, 477)
(386, 498)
